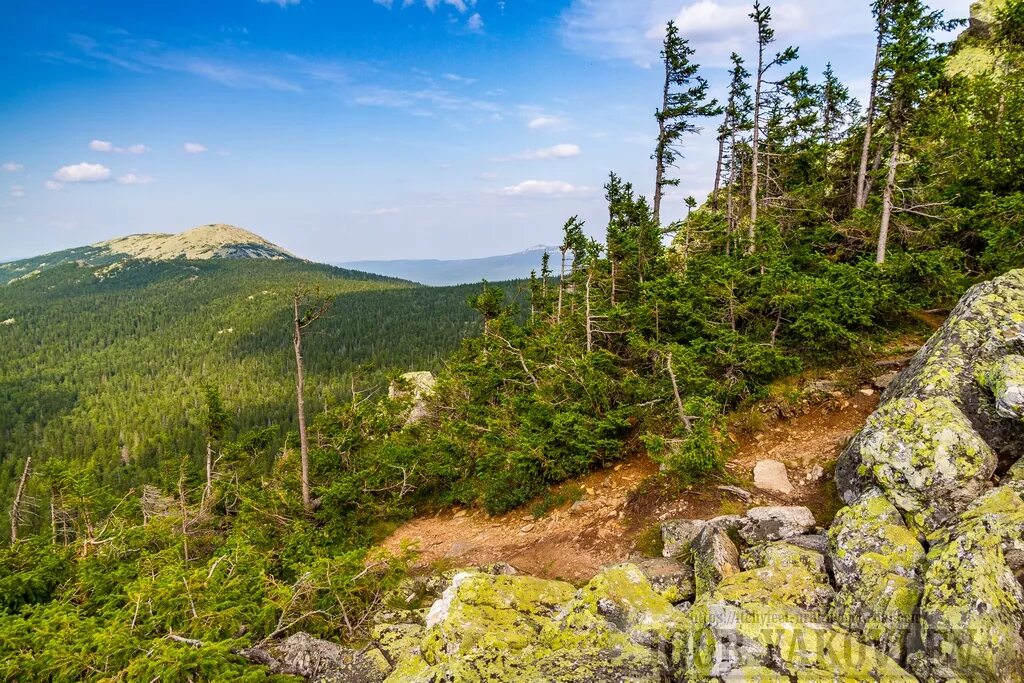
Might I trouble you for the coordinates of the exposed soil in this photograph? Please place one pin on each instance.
(623, 501)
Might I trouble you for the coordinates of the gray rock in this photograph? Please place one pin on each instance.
(771, 476)
(877, 563)
(972, 613)
(776, 523)
(673, 580)
(678, 534)
(715, 557)
(320, 661)
(882, 382)
(927, 458)
(815, 542)
(1005, 379)
(414, 388)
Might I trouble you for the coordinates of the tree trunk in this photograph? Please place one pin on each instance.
(659, 178)
(755, 149)
(683, 417)
(865, 152)
(590, 324)
(208, 490)
(718, 171)
(730, 205)
(561, 288)
(19, 500)
(890, 185)
(300, 385)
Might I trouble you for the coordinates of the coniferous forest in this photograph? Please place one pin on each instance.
(158, 405)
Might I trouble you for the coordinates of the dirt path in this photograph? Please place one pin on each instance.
(621, 502)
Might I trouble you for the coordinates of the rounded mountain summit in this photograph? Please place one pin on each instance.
(214, 241)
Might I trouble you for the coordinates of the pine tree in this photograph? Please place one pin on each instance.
(738, 112)
(215, 421)
(684, 98)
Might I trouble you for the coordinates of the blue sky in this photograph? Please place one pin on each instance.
(354, 129)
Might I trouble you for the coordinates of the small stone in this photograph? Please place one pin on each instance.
(771, 476)
(526, 529)
(883, 381)
(815, 474)
(868, 391)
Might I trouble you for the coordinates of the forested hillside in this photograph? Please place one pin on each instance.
(831, 224)
(106, 366)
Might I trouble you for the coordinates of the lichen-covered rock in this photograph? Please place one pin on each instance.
(1014, 477)
(672, 579)
(775, 523)
(522, 629)
(927, 458)
(678, 534)
(985, 326)
(715, 557)
(972, 612)
(1005, 379)
(877, 563)
(769, 624)
(622, 596)
(397, 641)
(783, 555)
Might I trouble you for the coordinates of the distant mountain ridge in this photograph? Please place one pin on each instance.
(439, 273)
(206, 242)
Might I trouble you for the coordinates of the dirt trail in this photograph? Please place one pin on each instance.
(623, 501)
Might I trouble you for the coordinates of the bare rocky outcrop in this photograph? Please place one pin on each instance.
(414, 388)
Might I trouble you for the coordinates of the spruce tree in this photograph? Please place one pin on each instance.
(684, 98)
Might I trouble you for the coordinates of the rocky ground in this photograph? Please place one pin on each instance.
(919, 577)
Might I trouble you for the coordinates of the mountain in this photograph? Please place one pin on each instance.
(206, 242)
(105, 349)
(453, 272)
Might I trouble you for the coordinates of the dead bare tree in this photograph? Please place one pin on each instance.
(309, 306)
(19, 505)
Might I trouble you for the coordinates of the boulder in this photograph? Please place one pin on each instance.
(673, 580)
(768, 624)
(926, 457)
(972, 612)
(678, 534)
(1005, 379)
(877, 563)
(985, 326)
(771, 476)
(775, 523)
(523, 629)
(415, 388)
(882, 382)
(715, 557)
(320, 661)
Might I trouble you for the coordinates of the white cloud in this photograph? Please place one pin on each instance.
(194, 148)
(456, 78)
(53, 185)
(107, 146)
(563, 151)
(461, 6)
(17, 191)
(12, 167)
(279, 3)
(624, 29)
(386, 212)
(544, 188)
(82, 173)
(542, 122)
(475, 23)
(133, 179)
